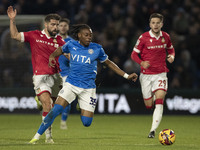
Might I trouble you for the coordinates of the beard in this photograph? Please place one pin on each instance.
(52, 33)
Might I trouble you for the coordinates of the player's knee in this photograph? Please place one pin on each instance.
(47, 105)
(87, 121)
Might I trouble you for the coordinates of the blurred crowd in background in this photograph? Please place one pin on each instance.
(116, 25)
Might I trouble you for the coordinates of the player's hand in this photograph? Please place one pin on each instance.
(11, 13)
(145, 64)
(52, 61)
(133, 77)
(170, 58)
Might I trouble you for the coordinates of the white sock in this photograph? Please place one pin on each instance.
(157, 116)
(62, 122)
(48, 133)
(37, 136)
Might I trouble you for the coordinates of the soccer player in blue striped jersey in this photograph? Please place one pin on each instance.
(63, 28)
(80, 82)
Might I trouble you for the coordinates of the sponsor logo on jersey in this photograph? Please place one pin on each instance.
(47, 43)
(156, 46)
(81, 58)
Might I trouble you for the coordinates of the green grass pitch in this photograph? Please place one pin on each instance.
(107, 132)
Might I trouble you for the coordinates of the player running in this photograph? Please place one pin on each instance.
(152, 46)
(80, 82)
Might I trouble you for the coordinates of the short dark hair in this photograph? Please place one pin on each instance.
(75, 29)
(156, 15)
(65, 20)
(52, 16)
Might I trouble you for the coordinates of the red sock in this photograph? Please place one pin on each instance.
(44, 114)
(159, 101)
(149, 107)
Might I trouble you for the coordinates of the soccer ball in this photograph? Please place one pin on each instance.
(167, 137)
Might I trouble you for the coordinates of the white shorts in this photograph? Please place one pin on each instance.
(86, 97)
(63, 80)
(47, 83)
(152, 83)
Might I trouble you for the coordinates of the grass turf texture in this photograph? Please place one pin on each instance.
(107, 132)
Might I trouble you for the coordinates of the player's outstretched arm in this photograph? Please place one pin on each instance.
(13, 29)
(120, 72)
(56, 53)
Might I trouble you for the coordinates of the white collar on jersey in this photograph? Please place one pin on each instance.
(152, 35)
(61, 36)
(48, 37)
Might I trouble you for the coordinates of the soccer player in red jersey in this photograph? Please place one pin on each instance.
(152, 47)
(46, 79)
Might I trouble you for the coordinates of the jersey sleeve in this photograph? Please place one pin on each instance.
(135, 57)
(102, 55)
(139, 45)
(170, 48)
(65, 47)
(26, 36)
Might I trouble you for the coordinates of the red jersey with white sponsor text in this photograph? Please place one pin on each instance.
(153, 49)
(41, 48)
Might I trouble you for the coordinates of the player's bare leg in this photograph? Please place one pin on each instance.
(149, 103)
(86, 113)
(158, 112)
(39, 104)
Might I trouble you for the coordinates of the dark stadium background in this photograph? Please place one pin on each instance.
(116, 26)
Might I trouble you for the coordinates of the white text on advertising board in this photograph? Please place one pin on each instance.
(12, 103)
(120, 100)
(184, 104)
(116, 103)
